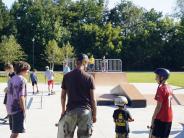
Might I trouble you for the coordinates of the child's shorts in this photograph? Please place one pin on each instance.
(16, 122)
(34, 83)
(161, 129)
(51, 82)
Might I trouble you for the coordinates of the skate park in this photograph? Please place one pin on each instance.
(135, 37)
(43, 111)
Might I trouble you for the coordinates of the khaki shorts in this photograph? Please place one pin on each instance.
(79, 117)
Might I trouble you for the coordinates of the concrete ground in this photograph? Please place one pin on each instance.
(40, 121)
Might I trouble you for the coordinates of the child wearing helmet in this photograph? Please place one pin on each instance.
(49, 75)
(121, 118)
(162, 117)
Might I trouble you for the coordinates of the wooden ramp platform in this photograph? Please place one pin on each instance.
(109, 78)
(120, 86)
(179, 98)
(135, 98)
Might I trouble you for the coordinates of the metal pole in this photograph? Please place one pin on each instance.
(33, 51)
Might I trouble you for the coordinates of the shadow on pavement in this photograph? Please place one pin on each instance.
(181, 134)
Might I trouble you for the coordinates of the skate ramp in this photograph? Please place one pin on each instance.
(179, 98)
(109, 78)
(134, 96)
(117, 86)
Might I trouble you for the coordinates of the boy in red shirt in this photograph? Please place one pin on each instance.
(162, 117)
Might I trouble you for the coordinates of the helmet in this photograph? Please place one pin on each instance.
(121, 101)
(162, 72)
(46, 67)
(83, 58)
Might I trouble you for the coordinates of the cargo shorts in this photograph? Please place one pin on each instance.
(80, 118)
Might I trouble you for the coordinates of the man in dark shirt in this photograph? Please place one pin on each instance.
(80, 110)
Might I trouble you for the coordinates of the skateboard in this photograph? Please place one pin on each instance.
(150, 131)
(60, 124)
(3, 121)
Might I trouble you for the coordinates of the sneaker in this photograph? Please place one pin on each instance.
(52, 92)
(5, 117)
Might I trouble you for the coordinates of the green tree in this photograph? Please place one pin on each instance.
(52, 53)
(43, 21)
(10, 50)
(91, 38)
(4, 19)
(180, 8)
(67, 51)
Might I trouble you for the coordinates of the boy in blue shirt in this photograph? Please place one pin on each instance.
(34, 80)
(66, 68)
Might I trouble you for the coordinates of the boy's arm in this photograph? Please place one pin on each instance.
(157, 109)
(22, 102)
(114, 116)
(130, 119)
(22, 96)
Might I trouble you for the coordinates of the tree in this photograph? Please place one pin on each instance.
(180, 8)
(4, 19)
(126, 15)
(67, 51)
(52, 53)
(10, 50)
(56, 55)
(91, 38)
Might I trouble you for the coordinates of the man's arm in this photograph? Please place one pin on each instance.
(22, 96)
(63, 101)
(93, 105)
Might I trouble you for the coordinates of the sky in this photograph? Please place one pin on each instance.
(165, 6)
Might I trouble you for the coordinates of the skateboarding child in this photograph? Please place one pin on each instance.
(121, 118)
(162, 117)
(49, 75)
(34, 80)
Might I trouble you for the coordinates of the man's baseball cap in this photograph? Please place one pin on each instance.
(82, 57)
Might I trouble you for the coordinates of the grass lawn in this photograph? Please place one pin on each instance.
(58, 76)
(176, 78)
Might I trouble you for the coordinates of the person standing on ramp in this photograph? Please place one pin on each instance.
(80, 110)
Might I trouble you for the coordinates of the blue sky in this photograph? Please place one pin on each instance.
(166, 6)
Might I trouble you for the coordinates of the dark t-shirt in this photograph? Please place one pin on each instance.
(121, 120)
(11, 74)
(78, 84)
